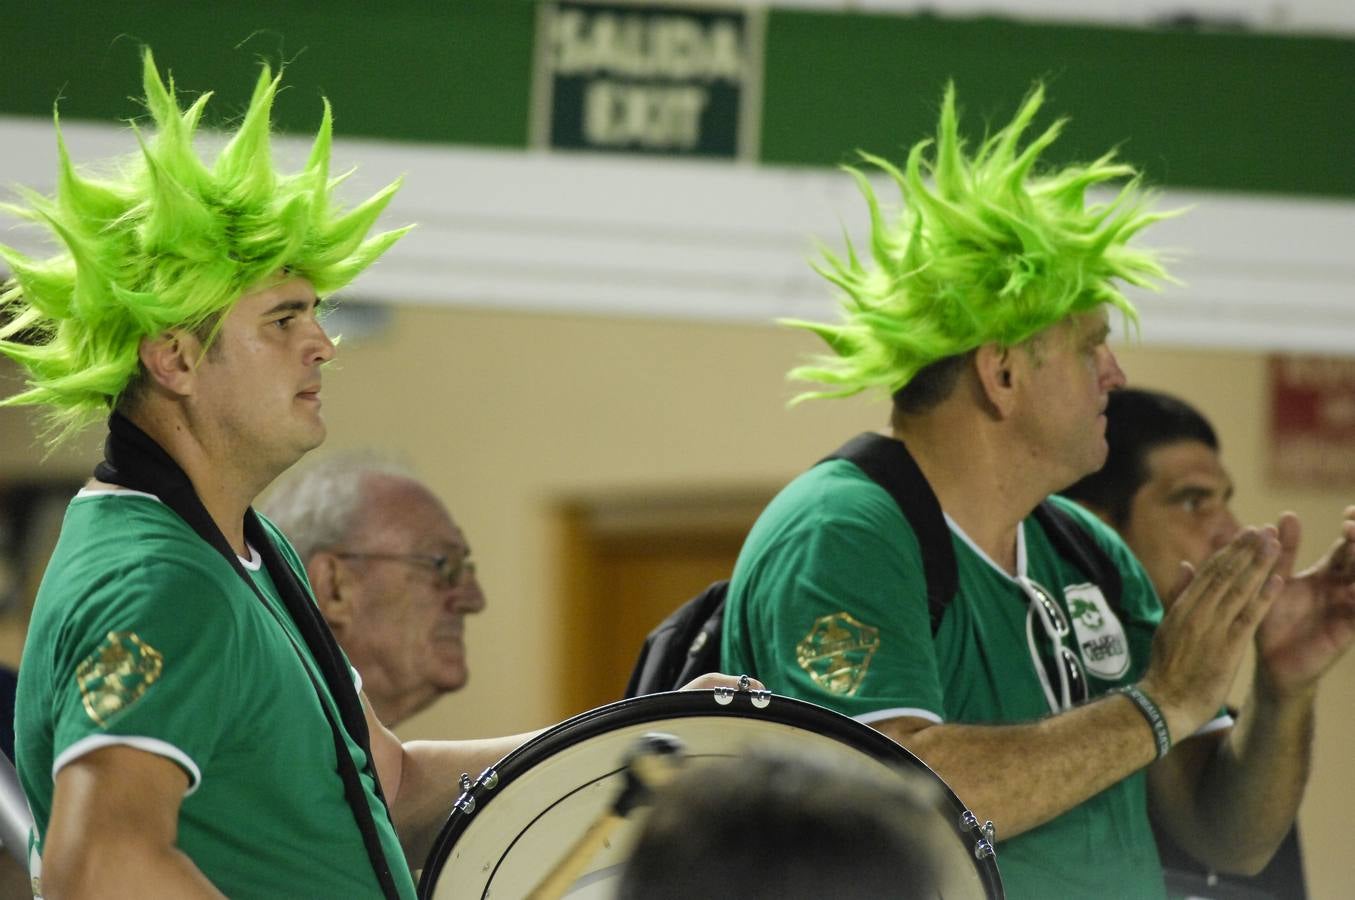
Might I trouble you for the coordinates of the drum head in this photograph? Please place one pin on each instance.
(523, 816)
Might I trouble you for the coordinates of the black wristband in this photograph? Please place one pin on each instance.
(1156, 721)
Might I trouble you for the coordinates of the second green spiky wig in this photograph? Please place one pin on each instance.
(166, 241)
(985, 249)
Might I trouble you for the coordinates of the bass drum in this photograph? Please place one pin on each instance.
(515, 823)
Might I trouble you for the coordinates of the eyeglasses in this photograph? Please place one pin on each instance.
(1072, 677)
(449, 571)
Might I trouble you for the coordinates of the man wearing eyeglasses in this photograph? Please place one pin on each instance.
(1053, 703)
(392, 574)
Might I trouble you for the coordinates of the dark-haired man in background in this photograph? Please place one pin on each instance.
(1165, 490)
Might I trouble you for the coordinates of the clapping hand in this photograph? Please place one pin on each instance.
(1312, 623)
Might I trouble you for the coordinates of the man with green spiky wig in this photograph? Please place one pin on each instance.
(1042, 681)
(187, 726)
(165, 670)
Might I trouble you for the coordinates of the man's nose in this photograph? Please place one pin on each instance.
(1226, 528)
(324, 349)
(466, 596)
(1112, 376)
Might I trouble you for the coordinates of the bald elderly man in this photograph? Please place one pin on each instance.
(392, 574)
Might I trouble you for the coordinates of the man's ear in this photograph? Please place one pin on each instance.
(994, 365)
(334, 590)
(170, 360)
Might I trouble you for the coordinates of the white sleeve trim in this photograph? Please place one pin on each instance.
(150, 745)
(114, 492)
(880, 715)
(1213, 725)
(357, 679)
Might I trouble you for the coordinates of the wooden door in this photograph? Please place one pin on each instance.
(626, 563)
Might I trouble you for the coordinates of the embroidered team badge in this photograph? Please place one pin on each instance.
(116, 674)
(837, 652)
(1100, 636)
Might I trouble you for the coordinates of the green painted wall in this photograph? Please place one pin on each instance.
(455, 72)
(1249, 112)
(1241, 111)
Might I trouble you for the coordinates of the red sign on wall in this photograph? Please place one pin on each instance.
(1312, 420)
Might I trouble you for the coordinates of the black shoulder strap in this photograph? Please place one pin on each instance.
(1077, 545)
(890, 465)
(134, 460)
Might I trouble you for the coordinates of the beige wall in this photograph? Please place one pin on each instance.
(504, 414)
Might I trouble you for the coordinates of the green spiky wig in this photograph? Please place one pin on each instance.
(984, 250)
(167, 242)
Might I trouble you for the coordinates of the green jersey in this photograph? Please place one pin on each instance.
(828, 603)
(144, 636)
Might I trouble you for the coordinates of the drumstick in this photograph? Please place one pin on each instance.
(653, 761)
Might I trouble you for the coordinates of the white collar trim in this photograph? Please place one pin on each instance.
(1020, 548)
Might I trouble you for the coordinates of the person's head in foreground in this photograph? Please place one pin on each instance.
(781, 825)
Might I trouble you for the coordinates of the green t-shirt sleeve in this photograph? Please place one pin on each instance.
(148, 658)
(833, 609)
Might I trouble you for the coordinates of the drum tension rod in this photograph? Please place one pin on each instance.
(760, 699)
(986, 846)
(466, 802)
(488, 781)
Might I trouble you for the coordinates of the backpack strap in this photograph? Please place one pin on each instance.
(1077, 545)
(685, 644)
(889, 464)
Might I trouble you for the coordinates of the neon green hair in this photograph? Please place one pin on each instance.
(985, 252)
(169, 242)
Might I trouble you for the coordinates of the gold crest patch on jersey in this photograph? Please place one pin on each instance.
(837, 652)
(116, 674)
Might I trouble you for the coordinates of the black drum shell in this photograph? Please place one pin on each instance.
(584, 754)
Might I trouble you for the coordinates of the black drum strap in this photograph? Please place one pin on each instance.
(134, 460)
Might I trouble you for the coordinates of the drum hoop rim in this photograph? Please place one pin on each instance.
(690, 704)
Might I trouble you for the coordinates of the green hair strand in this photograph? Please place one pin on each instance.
(168, 241)
(985, 249)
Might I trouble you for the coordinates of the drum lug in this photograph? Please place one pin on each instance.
(970, 822)
(466, 802)
(489, 779)
(983, 847)
(760, 699)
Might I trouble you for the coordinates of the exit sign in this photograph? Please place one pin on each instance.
(664, 80)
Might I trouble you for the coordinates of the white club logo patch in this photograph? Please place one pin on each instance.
(1100, 637)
